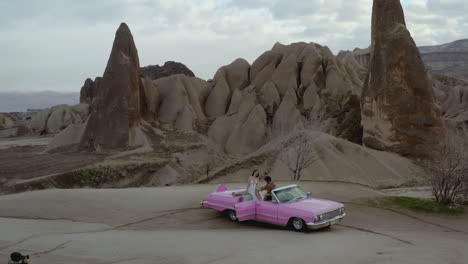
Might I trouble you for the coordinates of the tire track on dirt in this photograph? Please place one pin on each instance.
(375, 233)
(168, 213)
(449, 229)
(45, 252)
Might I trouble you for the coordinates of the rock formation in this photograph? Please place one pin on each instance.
(288, 88)
(298, 86)
(10, 126)
(6, 121)
(151, 72)
(177, 100)
(227, 79)
(452, 97)
(55, 119)
(117, 107)
(399, 113)
(88, 90)
(169, 68)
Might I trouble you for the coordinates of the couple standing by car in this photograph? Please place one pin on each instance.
(254, 190)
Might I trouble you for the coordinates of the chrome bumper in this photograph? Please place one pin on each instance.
(326, 223)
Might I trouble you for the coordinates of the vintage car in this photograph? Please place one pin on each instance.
(290, 207)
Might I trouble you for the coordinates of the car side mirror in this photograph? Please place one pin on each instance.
(309, 193)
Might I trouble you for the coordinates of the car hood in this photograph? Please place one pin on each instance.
(314, 205)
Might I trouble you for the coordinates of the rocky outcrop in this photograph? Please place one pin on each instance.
(399, 113)
(250, 135)
(151, 72)
(10, 126)
(154, 72)
(55, 119)
(288, 118)
(117, 108)
(227, 79)
(6, 121)
(298, 86)
(449, 59)
(452, 97)
(88, 90)
(177, 100)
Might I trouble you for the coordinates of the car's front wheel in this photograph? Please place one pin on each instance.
(231, 214)
(298, 225)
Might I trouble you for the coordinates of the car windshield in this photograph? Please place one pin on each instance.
(290, 194)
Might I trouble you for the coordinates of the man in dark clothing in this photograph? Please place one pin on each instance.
(270, 186)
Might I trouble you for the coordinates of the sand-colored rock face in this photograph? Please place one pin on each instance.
(218, 100)
(170, 97)
(270, 98)
(39, 122)
(297, 85)
(226, 80)
(249, 135)
(287, 119)
(11, 127)
(64, 115)
(285, 76)
(452, 97)
(6, 121)
(118, 104)
(55, 119)
(399, 113)
(287, 88)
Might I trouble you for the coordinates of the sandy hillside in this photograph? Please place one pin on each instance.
(178, 158)
(167, 225)
(24, 158)
(338, 160)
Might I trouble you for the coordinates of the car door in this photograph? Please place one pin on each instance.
(267, 211)
(284, 214)
(246, 210)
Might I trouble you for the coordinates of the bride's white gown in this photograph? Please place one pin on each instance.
(252, 188)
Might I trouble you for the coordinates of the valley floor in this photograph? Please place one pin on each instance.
(22, 158)
(167, 225)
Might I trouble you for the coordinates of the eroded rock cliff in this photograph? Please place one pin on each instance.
(399, 113)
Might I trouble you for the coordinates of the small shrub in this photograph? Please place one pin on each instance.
(427, 206)
(96, 176)
(447, 170)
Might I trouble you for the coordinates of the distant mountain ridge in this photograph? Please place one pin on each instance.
(449, 59)
(20, 102)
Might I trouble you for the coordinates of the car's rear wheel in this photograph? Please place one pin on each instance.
(298, 225)
(231, 214)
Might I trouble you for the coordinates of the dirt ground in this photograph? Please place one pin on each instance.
(20, 159)
(167, 225)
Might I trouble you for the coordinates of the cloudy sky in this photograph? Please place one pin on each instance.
(55, 44)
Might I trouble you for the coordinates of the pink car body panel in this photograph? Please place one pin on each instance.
(277, 213)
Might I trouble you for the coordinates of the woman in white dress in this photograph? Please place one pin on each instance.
(252, 186)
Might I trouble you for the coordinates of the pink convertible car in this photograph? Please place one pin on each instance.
(290, 206)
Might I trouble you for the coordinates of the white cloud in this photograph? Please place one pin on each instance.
(56, 44)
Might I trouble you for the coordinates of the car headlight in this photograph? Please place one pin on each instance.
(342, 210)
(318, 218)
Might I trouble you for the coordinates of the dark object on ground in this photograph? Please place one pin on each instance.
(17, 257)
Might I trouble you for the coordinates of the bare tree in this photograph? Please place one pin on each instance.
(300, 156)
(447, 171)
